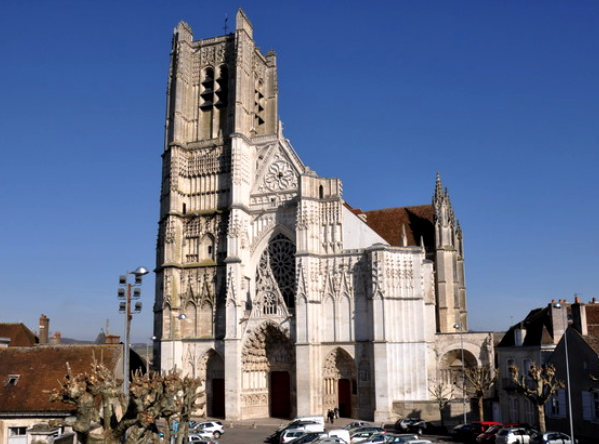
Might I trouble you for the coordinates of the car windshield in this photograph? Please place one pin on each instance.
(503, 432)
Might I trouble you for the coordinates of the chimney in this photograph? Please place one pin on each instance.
(558, 311)
(56, 338)
(113, 339)
(44, 329)
(579, 317)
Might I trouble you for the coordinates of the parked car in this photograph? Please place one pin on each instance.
(468, 432)
(216, 428)
(430, 428)
(514, 435)
(330, 440)
(551, 438)
(356, 424)
(414, 425)
(403, 438)
(290, 435)
(364, 434)
(200, 439)
(307, 438)
(377, 438)
(488, 436)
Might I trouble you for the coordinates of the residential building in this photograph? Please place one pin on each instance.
(531, 340)
(579, 399)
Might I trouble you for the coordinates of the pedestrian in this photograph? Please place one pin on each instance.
(331, 416)
(336, 413)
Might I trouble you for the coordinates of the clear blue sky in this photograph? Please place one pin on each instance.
(500, 97)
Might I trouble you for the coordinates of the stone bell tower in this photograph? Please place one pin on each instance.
(221, 91)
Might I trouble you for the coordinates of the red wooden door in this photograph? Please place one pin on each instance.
(344, 398)
(280, 395)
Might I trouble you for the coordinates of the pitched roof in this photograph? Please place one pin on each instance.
(19, 335)
(592, 315)
(39, 369)
(538, 326)
(418, 222)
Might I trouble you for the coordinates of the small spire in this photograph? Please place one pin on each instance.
(404, 236)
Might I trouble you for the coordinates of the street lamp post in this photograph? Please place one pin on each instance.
(124, 294)
(459, 326)
(558, 305)
(180, 317)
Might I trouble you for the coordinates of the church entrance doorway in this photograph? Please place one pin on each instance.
(339, 377)
(280, 395)
(218, 398)
(268, 373)
(213, 367)
(344, 390)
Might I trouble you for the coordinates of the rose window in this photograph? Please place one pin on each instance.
(279, 176)
(281, 259)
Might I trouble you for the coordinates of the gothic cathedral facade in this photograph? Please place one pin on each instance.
(284, 299)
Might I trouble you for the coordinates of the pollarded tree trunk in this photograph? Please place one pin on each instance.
(538, 388)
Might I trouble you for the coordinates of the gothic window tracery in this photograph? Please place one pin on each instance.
(280, 258)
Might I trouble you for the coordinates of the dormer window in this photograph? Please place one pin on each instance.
(12, 380)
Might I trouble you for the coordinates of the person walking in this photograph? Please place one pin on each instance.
(331, 416)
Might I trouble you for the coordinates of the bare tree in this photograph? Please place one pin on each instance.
(442, 392)
(479, 382)
(540, 385)
(104, 415)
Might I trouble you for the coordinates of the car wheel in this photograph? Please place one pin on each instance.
(216, 434)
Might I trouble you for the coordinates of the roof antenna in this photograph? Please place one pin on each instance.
(226, 28)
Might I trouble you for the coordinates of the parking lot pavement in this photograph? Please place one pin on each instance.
(255, 431)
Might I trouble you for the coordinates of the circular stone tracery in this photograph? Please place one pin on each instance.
(280, 255)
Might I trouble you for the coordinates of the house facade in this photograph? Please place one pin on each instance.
(579, 399)
(285, 299)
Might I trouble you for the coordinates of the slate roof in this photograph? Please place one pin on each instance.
(418, 222)
(19, 335)
(538, 326)
(40, 368)
(592, 338)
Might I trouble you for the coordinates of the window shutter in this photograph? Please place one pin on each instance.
(587, 413)
(561, 396)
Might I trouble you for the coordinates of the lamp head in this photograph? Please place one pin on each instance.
(140, 271)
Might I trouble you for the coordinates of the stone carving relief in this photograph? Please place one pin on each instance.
(280, 176)
(268, 348)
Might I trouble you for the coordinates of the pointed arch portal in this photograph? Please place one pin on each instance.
(212, 368)
(340, 382)
(268, 372)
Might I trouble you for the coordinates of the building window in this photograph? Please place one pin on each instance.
(590, 406)
(557, 405)
(17, 431)
(12, 380)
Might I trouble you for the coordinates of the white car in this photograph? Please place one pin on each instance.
(290, 435)
(195, 438)
(514, 435)
(215, 428)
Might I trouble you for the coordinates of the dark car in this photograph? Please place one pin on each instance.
(413, 425)
(430, 428)
(489, 435)
(468, 432)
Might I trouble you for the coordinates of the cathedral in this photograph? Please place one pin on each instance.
(270, 287)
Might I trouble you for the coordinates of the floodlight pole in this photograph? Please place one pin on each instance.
(126, 309)
(456, 326)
